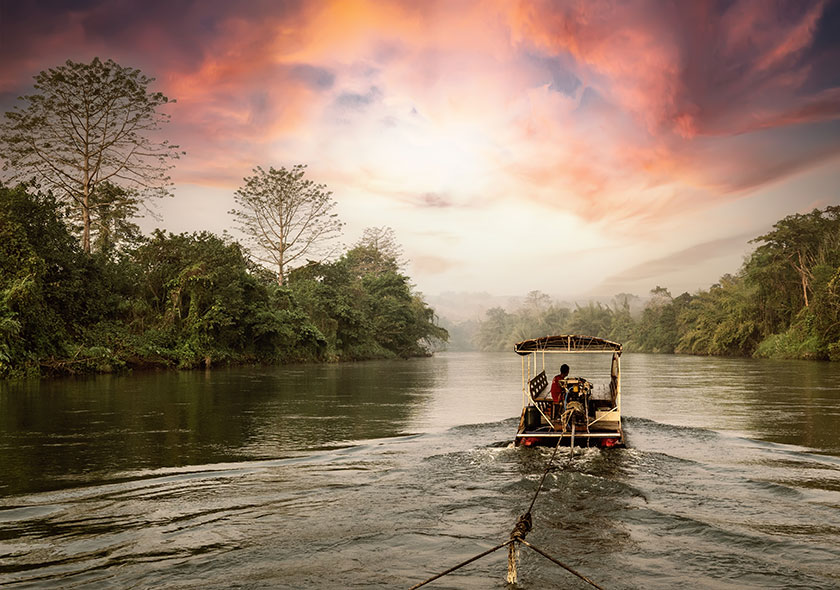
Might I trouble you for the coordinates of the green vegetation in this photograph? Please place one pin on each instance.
(783, 303)
(188, 300)
(82, 290)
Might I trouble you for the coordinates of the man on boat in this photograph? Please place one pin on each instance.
(558, 387)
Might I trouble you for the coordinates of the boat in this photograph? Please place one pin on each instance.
(572, 411)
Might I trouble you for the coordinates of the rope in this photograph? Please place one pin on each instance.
(520, 530)
(547, 469)
(566, 416)
(462, 564)
(561, 564)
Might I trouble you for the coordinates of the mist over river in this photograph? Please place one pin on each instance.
(380, 474)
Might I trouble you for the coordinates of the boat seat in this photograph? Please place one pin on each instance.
(538, 384)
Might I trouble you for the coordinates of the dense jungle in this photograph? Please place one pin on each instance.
(784, 302)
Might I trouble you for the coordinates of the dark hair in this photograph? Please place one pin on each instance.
(564, 369)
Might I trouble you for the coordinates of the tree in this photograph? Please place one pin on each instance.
(286, 216)
(721, 321)
(494, 331)
(47, 285)
(382, 242)
(85, 125)
(204, 306)
(801, 242)
(622, 324)
(365, 313)
(594, 320)
(112, 210)
(536, 302)
(658, 330)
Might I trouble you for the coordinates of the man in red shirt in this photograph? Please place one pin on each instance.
(558, 388)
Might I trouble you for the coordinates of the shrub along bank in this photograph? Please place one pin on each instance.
(188, 300)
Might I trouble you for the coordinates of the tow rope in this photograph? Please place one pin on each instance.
(517, 537)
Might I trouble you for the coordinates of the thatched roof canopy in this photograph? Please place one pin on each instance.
(566, 343)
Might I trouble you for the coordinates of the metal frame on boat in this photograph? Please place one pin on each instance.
(574, 410)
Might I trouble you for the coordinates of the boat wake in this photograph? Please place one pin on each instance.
(678, 503)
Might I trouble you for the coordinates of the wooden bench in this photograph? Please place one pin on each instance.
(535, 387)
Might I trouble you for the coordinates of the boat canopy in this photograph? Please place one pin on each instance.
(566, 343)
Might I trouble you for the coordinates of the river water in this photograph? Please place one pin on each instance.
(380, 474)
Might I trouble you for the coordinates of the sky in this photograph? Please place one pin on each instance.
(576, 148)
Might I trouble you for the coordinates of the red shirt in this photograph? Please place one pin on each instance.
(556, 389)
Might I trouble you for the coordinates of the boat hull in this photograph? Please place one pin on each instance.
(602, 433)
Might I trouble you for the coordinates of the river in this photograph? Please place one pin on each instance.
(380, 474)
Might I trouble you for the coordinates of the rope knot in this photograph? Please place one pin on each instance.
(522, 528)
(572, 408)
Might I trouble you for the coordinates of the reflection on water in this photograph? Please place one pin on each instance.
(791, 402)
(58, 432)
(377, 475)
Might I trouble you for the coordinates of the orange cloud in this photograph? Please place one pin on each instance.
(610, 110)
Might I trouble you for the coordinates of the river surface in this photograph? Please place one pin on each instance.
(381, 474)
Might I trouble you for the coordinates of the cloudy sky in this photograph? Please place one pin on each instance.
(578, 148)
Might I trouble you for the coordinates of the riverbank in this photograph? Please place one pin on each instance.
(784, 302)
(188, 301)
(101, 360)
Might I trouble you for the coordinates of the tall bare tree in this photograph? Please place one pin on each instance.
(286, 216)
(87, 124)
(386, 251)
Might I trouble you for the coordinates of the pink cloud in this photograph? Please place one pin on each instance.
(684, 68)
(610, 110)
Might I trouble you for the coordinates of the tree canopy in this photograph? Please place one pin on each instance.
(365, 307)
(188, 300)
(286, 217)
(88, 124)
(784, 302)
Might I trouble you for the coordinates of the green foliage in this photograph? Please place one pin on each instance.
(112, 211)
(785, 302)
(47, 288)
(826, 308)
(539, 316)
(365, 308)
(720, 321)
(657, 329)
(622, 325)
(187, 300)
(495, 332)
(592, 320)
(795, 343)
(203, 306)
(783, 265)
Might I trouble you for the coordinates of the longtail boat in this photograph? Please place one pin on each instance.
(569, 411)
